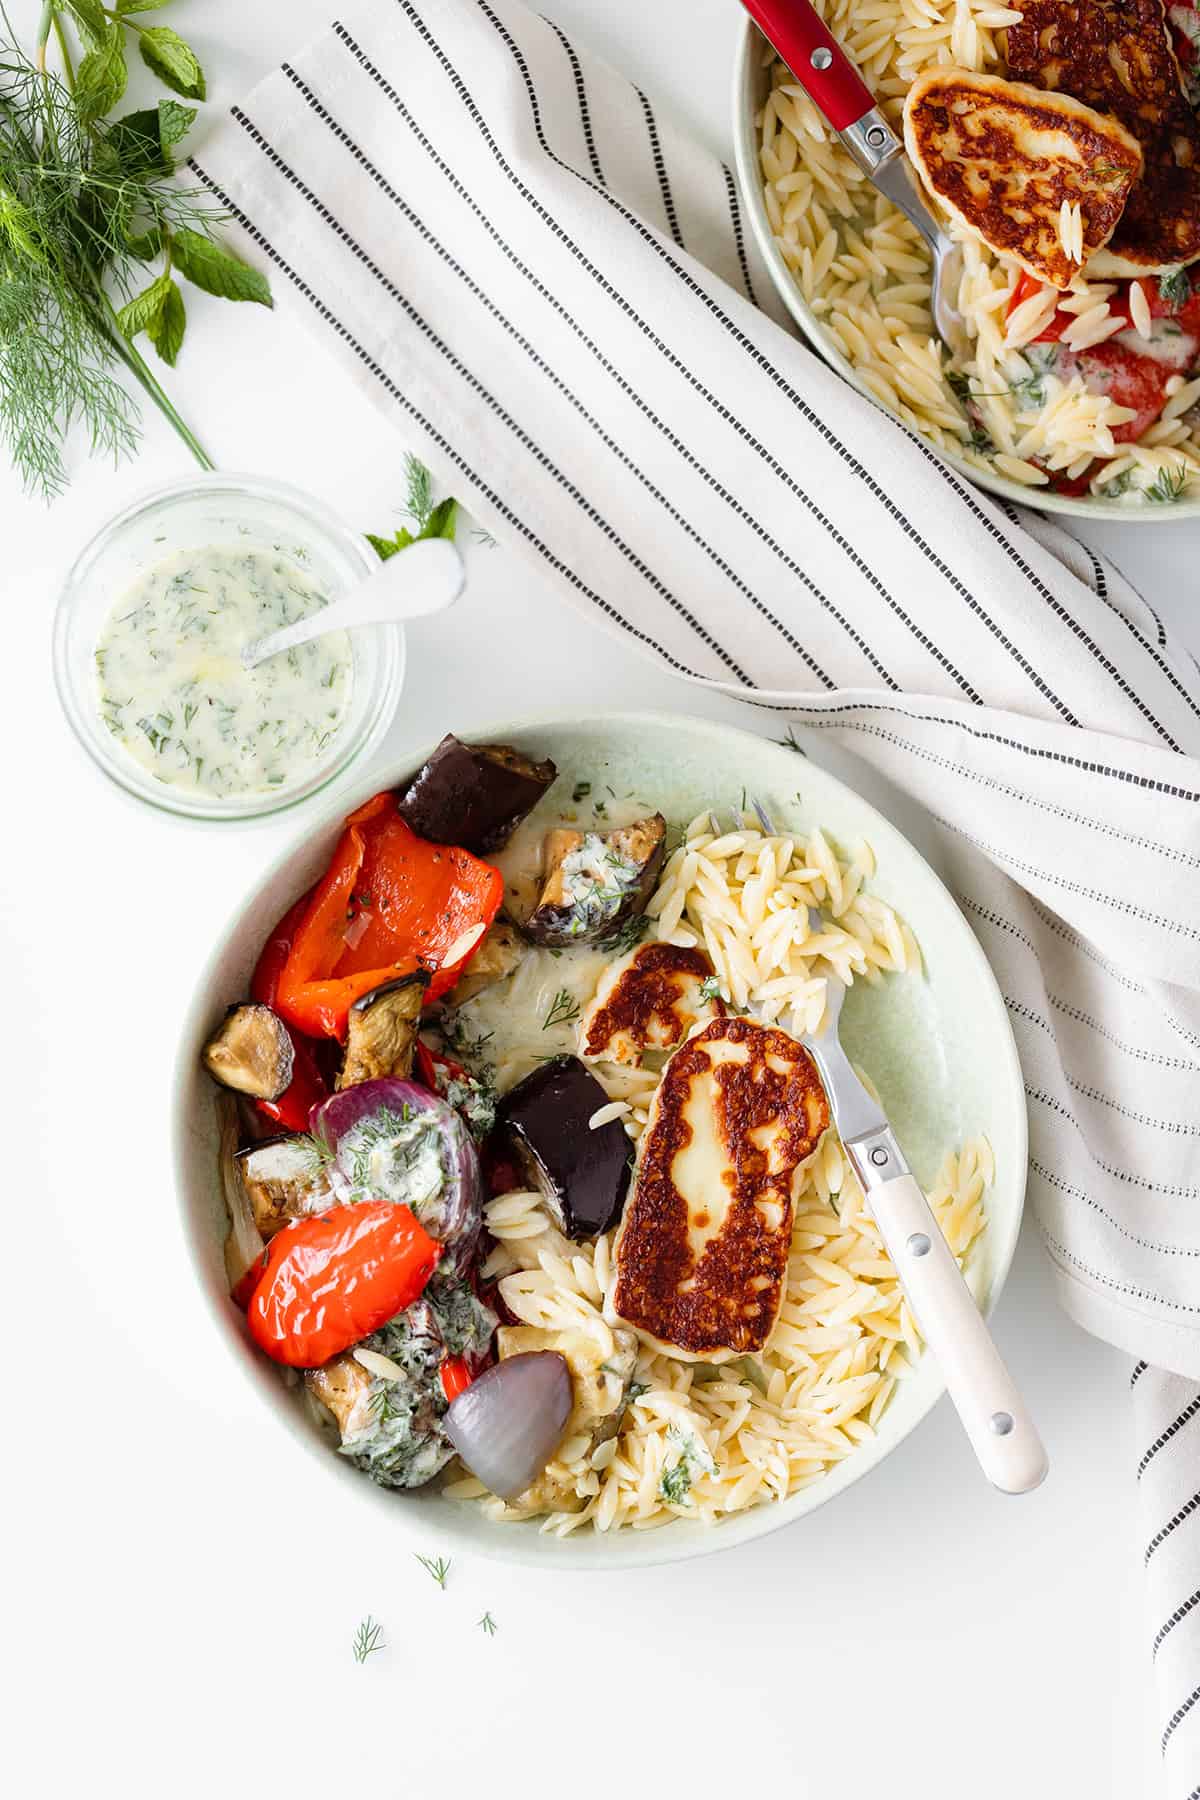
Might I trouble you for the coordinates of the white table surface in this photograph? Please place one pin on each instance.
(185, 1595)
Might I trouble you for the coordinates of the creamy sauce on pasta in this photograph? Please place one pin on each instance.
(174, 693)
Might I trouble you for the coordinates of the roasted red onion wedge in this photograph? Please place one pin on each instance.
(393, 1140)
(507, 1425)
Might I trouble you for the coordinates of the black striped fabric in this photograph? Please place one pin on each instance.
(553, 294)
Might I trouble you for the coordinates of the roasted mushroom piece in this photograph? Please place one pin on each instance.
(381, 1035)
(473, 794)
(595, 881)
(283, 1179)
(582, 1173)
(498, 954)
(251, 1052)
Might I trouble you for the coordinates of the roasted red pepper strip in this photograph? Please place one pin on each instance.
(329, 1281)
(456, 1377)
(417, 900)
(308, 1086)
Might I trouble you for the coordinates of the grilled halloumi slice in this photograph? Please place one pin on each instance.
(1004, 158)
(649, 1000)
(701, 1254)
(1116, 55)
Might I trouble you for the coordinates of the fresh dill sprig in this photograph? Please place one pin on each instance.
(437, 1566)
(487, 1624)
(367, 1639)
(791, 742)
(430, 520)
(710, 988)
(563, 1009)
(1168, 485)
(87, 210)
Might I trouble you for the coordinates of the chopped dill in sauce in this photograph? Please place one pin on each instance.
(173, 691)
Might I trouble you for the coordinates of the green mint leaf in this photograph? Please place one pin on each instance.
(143, 310)
(100, 82)
(442, 521)
(174, 122)
(218, 271)
(174, 62)
(135, 139)
(385, 547)
(166, 329)
(89, 16)
(125, 7)
(145, 245)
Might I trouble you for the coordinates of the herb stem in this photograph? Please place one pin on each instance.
(139, 369)
(64, 50)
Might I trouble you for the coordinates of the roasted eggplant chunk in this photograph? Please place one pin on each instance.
(381, 1035)
(498, 954)
(283, 1180)
(595, 881)
(581, 1173)
(251, 1052)
(473, 794)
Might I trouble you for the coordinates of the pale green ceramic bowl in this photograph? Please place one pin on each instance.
(939, 1049)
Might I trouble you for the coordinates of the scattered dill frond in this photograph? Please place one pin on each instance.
(581, 791)
(1168, 485)
(418, 498)
(488, 1624)
(437, 1566)
(710, 988)
(367, 1639)
(791, 742)
(563, 1009)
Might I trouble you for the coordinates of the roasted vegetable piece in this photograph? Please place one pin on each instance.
(473, 794)
(244, 1243)
(308, 1084)
(381, 1030)
(474, 1099)
(389, 1394)
(497, 956)
(595, 881)
(284, 1179)
(251, 1051)
(388, 904)
(581, 1173)
(399, 1142)
(601, 1365)
(329, 1281)
(507, 1425)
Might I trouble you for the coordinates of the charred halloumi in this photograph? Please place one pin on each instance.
(1003, 158)
(1117, 56)
(649, 1000)
(701, 1254)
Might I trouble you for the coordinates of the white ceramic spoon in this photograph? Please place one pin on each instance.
(424, 578)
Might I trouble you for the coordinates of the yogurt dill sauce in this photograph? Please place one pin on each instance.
(173, 690)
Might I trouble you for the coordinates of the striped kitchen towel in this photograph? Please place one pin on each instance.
(551, 291)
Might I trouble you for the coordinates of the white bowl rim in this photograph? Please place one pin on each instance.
(745, 148)
(509, 1542)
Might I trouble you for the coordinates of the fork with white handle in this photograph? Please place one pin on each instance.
(1002, 1434)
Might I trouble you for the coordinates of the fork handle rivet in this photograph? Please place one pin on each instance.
(879, 1156)
(821, 59)
(1001, 1423)
(918, 1244)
